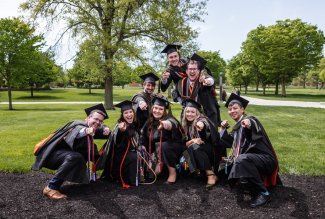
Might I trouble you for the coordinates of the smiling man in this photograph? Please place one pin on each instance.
(176, 66)
(199, 86)
(253, 164)
(142, 100)
(69, 149)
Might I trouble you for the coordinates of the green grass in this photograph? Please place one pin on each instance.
(69, 94)
(293, 93)
(296, 133)
(72, 94)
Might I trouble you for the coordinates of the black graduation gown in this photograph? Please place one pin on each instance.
(67, 154)
(121, 164)
(142, 115)
(207, 155)
(256, 159)
(176, 73)
(172, 144)
(205, 95)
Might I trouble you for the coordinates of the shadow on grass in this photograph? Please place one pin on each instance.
(46, 97)
(43, 109)
(92, 94)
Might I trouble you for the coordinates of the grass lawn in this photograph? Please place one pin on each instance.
(296, 133)
(71, 94)
(68, 94)
(293, 93)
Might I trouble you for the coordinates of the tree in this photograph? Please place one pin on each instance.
(285, 49)
(88, 66)
(240, 70)
(17, 46)
(215, 63)
(124, 27)
(39, 69)
(322, 72)
(313, 76)
(122, 74)
(232, 71)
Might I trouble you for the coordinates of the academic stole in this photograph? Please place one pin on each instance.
(188, 91)
(235, 148)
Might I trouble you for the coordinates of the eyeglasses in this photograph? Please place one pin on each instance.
(98, 120)
(192, 69)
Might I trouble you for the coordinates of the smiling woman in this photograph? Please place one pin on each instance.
(120, 157)
(162, 138)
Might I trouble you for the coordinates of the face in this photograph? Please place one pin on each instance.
(95, 120)
(158, 111)
(190, 113)
(148, 87)
(235, 111)
(128, 116)
(192, 72)
(173, 58)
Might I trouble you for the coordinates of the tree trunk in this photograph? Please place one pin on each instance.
(283, 84)
(246, 86)
(9, 96)
(123, 86)
(317, 84)
(169, 91)
(304, 82)
(31, 91)
(257, 85)
(89, 88)
(276, 87)
(264, 87)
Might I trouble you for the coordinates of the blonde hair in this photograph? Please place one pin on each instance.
(185, 122)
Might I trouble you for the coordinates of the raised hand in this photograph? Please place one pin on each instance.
(164, 124)
(106, 131)
(246, 123)
(90, 131)
(224, 124)
(199, 126)
(165, 75)
(143, 105)
(122, 126)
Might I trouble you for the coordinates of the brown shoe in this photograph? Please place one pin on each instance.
(53, 194)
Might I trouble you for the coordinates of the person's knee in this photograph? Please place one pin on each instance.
(74, 158)
(241, 160)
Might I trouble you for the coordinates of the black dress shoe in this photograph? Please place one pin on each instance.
(260, 200)
(169, 183)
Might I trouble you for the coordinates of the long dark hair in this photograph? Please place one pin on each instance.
(151, 120)
(121, 119)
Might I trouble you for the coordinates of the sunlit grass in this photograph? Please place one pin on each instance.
(292, 93)
(296, 133)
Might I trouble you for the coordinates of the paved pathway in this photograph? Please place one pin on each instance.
(252, 101)
(256, 101)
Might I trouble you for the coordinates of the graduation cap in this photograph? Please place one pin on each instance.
(125, 105)
(99, 108)
(191, 103)
(202, 62)
(234, 98)
(160, 101)
(149, 77)
(171, 48)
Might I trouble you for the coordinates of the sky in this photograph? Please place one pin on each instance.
(229, 21)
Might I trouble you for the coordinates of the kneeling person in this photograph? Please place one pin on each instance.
(203, 146)
(254, 162)
(68, 150)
